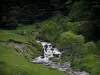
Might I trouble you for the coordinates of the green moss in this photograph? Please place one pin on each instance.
(31, 39)
(54, 59)
(33, 51)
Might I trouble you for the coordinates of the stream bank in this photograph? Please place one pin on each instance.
(49, 52)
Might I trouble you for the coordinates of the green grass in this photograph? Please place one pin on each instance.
(5, 35)
(12, 63)
(89, 63)
(26, 27)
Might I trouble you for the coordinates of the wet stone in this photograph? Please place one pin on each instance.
(49, 52)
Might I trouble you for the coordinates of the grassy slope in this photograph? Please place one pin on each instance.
(26, 27)
(12, 63)
(5, 35)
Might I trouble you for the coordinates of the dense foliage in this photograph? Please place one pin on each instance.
(72, 26)
(71, 44)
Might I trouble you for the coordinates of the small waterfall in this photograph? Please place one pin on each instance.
(49, 52)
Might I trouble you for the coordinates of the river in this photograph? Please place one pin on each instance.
(49, 52)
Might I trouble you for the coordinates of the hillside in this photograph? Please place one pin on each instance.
(14, 63)
(52, 37)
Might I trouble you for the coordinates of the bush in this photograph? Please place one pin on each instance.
(71, 43)
(90, 47)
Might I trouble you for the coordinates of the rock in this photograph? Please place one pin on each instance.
(49, 52)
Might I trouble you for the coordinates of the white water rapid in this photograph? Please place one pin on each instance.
(49, 52)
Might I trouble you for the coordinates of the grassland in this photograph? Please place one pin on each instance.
(13, 63)
(6, 35)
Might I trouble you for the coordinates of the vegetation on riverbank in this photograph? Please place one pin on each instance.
(13, 63)
(76, 32)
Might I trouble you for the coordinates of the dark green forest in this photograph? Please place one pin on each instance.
(73, 26)
(15, 12)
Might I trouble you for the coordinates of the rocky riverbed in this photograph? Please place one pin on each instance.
(49, 52)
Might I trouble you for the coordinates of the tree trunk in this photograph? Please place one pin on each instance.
(72, 59)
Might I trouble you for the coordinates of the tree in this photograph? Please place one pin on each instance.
(71, 44)
(90, 47)
(79, 11)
